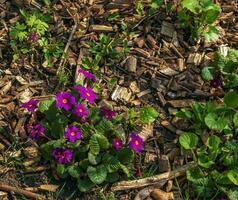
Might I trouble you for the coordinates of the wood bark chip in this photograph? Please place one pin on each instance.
(153, 180)
(159, 194)
(121, 93)
(181, 103)
(102, 28)
(31, 195)
(131, 64)
(167, 29)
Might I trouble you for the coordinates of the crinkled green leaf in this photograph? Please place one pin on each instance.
(192, 5)
(211, 13)
(188, 140)
(94, 159)
(215, 122)
(207, 73)
(213, 142)
(235, 119)
(231, 99)
(84, 185)
(97, 174)
(74, 171)
(148, 115)
(125, 156)
(212, 34)
(111, 163)
(45, 105)
(233, 176)
(94, 145)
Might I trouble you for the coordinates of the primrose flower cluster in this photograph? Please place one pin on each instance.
(79, 135)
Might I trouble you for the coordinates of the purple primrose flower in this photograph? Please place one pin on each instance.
(80, 110)
(33, 37)
(86, 93)
(62, 155)
(136, 142)
(87, 75)
(72, 134)
(138, 171)
(30, 105)
(108, 114)
(117, 143)
(216, 82)
(36, 131)
(65, 100)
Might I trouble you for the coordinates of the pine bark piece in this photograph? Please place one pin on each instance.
(167, 29)
(181, 103)
(3, 195)
(152, 41)
(158, 194)
(146, 132)
(141, 52)
(181, 64)
(131, 64)
(153, 180)
(161, 98)
(164, 165)
(121, 93)
(195, 58)
(102, 28)
(169, 71)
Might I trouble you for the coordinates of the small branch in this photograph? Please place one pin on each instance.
(8, 188)
(153, 180)
(66, 49)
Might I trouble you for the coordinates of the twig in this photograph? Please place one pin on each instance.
(66, 48)
(153, 180)
(8, 188)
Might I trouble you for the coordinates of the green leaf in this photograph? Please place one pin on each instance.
(125, 170)
(211, 13)
(235, 119)
(192, 5)
(94, 145)
(97, 174)
(148, 115)
(74, 171)
(233, 176)
(212, 34)
(60, 169)
(112, 177)
(45, 105)
(231, 99)
(188, 140)
(205, 161)
(111, 163)
(84, 185)
(125, 156)
(103, 142)
(194, 175)
(207, 73)
(104, 126)
(94, 159)
(213, 142)
(214, 122)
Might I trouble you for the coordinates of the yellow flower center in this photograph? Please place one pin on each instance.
(88, 94)
(137, 143)
(30, 105)
(72, 133)
(80, 110)
(65, 101)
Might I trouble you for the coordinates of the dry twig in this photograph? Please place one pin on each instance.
(153, 180)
